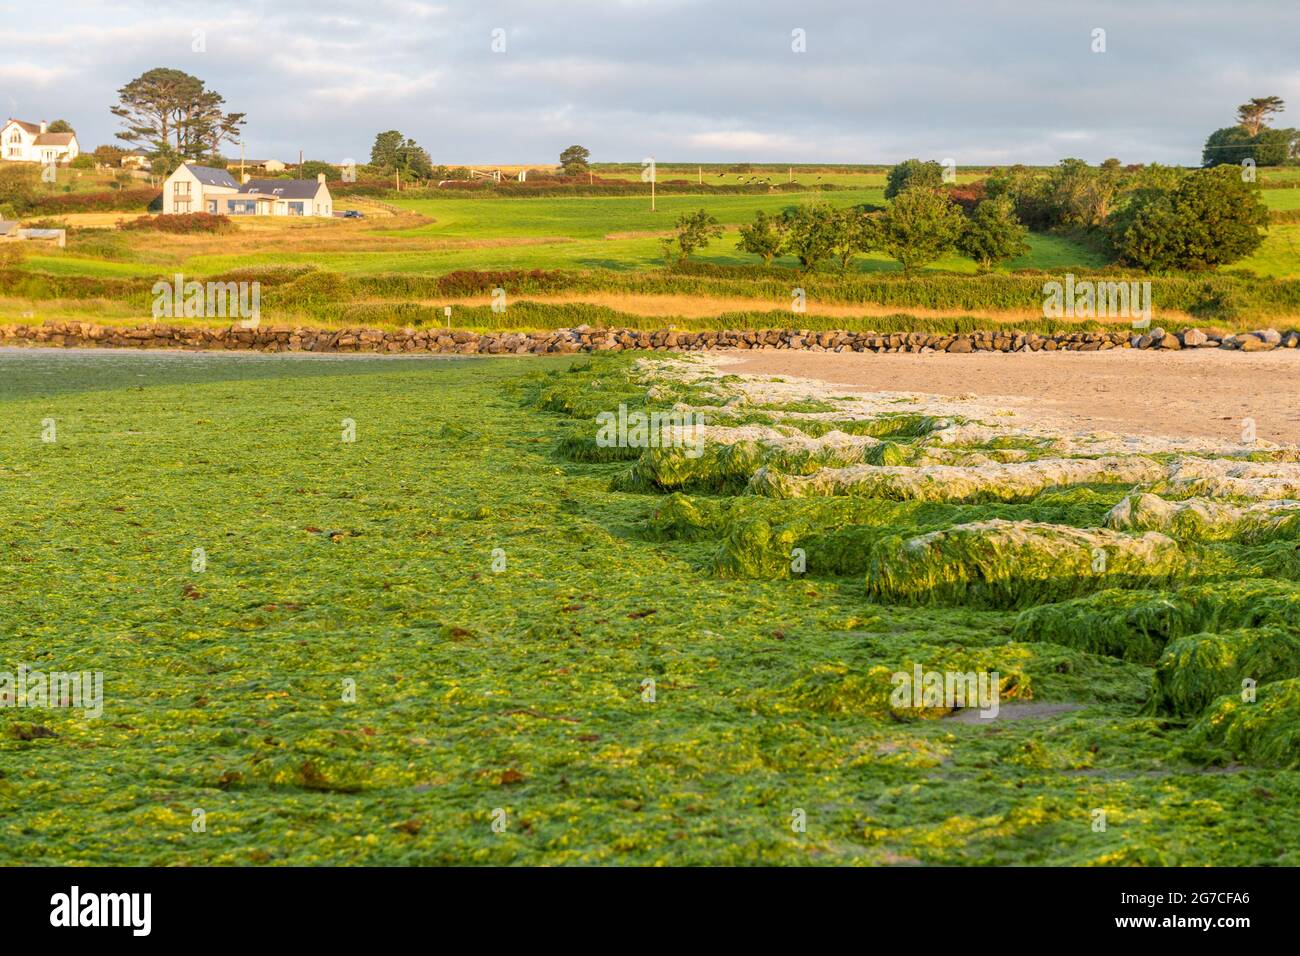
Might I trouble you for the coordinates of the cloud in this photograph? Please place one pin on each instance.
(683, 80)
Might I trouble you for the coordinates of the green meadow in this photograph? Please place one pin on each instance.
(618, 233)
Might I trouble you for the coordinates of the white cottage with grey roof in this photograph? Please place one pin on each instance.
(204, 189)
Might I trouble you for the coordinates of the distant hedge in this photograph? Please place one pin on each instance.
(324, 294)
(112, 200)
(514, 190)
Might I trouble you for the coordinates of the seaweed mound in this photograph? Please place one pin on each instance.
(1227, 477)
(1197, 668)
(994, 481)
(1005, 564)
(1265, 731)
(1206, 518)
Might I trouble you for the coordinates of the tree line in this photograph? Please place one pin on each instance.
(1155, 218)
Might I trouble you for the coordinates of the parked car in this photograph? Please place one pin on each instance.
(353, 214)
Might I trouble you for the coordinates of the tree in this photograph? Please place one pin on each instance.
(314, 167)
(1211, 218)
(1081, 195)
(1232, 144)
(810, 233)
(574, 160)
(169, 109)
(695, 230)
(392, 152)
(17, 188)
(854, 232)
(919, 227)
(1273, 146)
(912, 173)
(763, 237)
(109, 155)
(60, 126)
(1028, 192)
(993, 234)
(386, 151)
(1252, 115)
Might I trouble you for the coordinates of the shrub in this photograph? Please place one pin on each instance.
(993, 234)
(1211, 218)
(913, 173)
(763, 237)
(919, 227)
(695, 230)
(811, 233)
(190, 223)
(108, 201)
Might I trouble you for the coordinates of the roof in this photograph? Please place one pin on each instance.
(55, 139)
(30, 127)
(283, 188)
(212, 177)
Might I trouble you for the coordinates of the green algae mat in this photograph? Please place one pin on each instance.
(415, 611)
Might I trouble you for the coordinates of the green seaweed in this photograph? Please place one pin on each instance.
(1264, 731)
(1007, 564)
(1197, 668)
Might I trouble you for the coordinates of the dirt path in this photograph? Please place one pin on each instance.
(1205, 393)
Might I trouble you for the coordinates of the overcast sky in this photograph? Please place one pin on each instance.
(981, 81)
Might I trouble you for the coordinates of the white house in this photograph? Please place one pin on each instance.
(204, 189)
(197, 189)
(264, 165)
(24, 142)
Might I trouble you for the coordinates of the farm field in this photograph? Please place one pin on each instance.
(618, 234)
(523, 689)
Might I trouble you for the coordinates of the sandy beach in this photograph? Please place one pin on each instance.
(1201, 394)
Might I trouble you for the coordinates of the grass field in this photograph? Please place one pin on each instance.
(412, 235)
(349, 680)
(619, 233)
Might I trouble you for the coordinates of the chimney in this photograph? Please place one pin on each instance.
(245, 178)
(320, 178)
(45, 127)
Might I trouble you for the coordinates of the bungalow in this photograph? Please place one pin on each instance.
(204, 189)
(264, 165)
(23, 142)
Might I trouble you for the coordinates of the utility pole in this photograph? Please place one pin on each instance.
(653, 176)
(397, 173)
(241, 159)
(299, 162)
(699, 172)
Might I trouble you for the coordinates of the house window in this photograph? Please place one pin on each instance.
(181, 187)
(295, 209)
